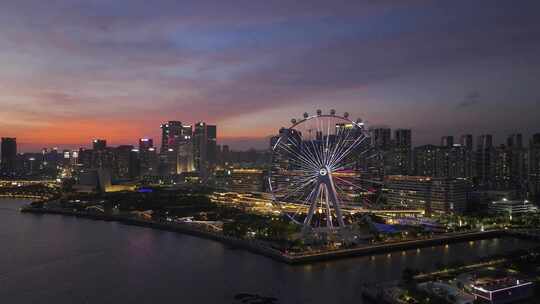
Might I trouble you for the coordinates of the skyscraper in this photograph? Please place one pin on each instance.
(176, 147)
(9, 155)
(403, 138)
(518, 162)
(466, 141)
(185, 155)
(145, 143)
(170, 132)
(205, 147)
(484, 160)
(148, 157)
(381, 138)
(447, 141)
(99, 144)
(125, 165)
(400, 156)
(515, 141)
(425, 160)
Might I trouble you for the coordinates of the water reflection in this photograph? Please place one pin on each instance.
(96, 262)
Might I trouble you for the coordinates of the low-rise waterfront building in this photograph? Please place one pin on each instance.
(512, 206)
(501, 290)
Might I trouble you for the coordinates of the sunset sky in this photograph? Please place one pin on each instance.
(72, 70)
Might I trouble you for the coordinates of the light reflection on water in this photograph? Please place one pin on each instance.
(71, 260)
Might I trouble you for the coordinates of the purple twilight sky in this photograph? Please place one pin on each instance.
(72, 70)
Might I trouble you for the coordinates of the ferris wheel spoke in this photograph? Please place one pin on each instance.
(320, 142)
(353, 146)
(357, 142)
(304, 203)
(342, 140)
(304, 167)
(306, 155)
(337, 144)
(298, 189)
(297, 181)
(344, 167)
(351, 184)
(306, 150)
(315, 152)
(326, 146)
(297, 156)
(300, 157)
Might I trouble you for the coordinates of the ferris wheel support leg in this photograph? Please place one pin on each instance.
(311, 211)
(328, 212)
(332, 192)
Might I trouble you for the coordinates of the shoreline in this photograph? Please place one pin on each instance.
(291, 259)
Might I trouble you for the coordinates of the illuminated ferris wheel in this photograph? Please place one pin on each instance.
(322, 166)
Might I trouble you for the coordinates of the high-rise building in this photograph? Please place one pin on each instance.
(443, 161)
(440, 195)
(145, 143)
(170, 133)
(381, 138)
(176, 148)
(466, 141)
(447, 141)
(515, 141)
(454, 162)
(205, 148)
(399, 160)
(501, 178)
(126, 163)
(99, 144)
(185, 156)
(9, 155)
(148, 157)
(484, 161)
(403, 137)
(99, 157)
(517, 163)
(225, 154)
(425, 160)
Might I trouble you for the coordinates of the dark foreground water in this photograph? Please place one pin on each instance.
(59, 259)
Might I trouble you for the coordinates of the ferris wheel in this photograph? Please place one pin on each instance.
(323, 166)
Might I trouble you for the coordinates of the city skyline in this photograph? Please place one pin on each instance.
(77, 70)
(245, 144)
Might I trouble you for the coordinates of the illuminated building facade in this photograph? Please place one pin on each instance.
(427, 193)
(177, 154)
(501, 290)
(205, 148)
(241, 180)
(512, 206)
(443, 161)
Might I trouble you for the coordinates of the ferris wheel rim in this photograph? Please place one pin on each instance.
(360, 125)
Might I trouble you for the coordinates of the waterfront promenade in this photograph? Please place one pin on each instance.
(264, 249)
